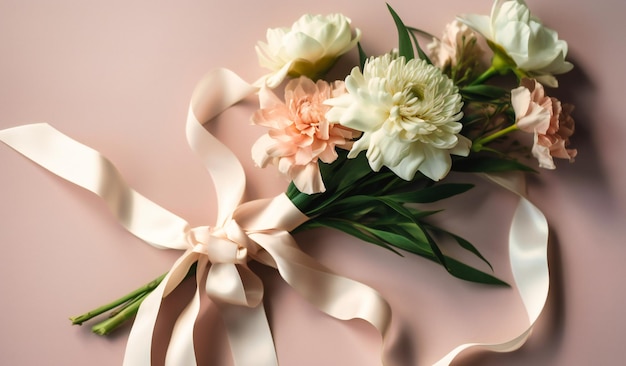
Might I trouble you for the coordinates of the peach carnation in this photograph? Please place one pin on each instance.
(547, 118)
(299, 133)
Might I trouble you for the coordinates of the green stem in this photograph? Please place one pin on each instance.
(478, 144)
(127, 304)
(107, 326)
(519, 73)
(501, 64)
(147, 288)
(488, 74)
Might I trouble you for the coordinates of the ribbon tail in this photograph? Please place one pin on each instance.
(88, 169)
(528, 245)
(335, 295)
(139, 345)
(249, 335)
(238, 293)
(529, 259)
(181, 349)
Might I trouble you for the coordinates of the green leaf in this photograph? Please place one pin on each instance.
(488, 164)
(362, 56)
(416, 233)
(431, 194)
(465, 272)
(405, 212)
(400, 209)
(420, 214)
(399, 226)
(398, 240)
(379, 183)
(465, 244)
(470, 247)
(422, 32)
(350, 229)
(397, 207)
(357, 169)
(438, 254)
(389, 240)
(405, 47)
(355, 200)
(360, 202)
(335, 195)
(483, 92)
(420, 52)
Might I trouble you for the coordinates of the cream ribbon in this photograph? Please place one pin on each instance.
(528, 245)
(257, 230)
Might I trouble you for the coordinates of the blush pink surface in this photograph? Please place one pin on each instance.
(117, 76)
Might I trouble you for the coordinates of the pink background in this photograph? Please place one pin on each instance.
(117, 76)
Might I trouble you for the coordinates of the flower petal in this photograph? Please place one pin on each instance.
(408, 166)
(463, 146)
(437, 163)
(480, 23)
(308, 179)
(259, 150)
(301, 46)
(274, 79)
(520, 100)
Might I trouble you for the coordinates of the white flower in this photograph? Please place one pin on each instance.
(408, 113)
(309, 48)
(511, 31)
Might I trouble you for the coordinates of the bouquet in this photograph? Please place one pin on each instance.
(362, 156)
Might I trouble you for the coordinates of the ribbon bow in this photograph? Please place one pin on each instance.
(256, 230)
(229, 279)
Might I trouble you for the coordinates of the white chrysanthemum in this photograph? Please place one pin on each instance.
(409, 114)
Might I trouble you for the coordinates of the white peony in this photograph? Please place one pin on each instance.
(408, 113)
(309, 48)
(517, 36)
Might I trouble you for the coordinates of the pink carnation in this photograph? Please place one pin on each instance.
(547, 118)
(533, 109)
(299, 133)
(553, 143)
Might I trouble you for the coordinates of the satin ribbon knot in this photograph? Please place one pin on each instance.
(229, 244)
(225, 251)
